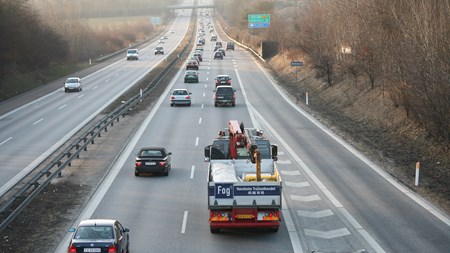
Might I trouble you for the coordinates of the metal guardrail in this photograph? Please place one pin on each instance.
(12, 207)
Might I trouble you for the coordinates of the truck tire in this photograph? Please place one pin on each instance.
(215, 230)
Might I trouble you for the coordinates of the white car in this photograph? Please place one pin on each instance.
(180, 97)
(73, 84)
(132, 54)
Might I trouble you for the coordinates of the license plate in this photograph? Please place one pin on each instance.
(92, 250)
(150, 163)
(244, 216)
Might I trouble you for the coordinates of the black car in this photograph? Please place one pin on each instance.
(230, 45)
(99, 235)
(219, 43)
(218, 55)
(224, 95)
(153, 159)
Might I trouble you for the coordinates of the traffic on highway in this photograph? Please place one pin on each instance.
(224, 161)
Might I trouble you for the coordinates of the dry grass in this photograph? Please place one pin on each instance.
(370, 121)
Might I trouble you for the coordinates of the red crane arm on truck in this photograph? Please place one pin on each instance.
(236, 138)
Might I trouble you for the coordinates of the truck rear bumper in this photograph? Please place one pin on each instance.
(268, 225)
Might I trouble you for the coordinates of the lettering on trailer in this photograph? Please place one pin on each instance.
(256, 190)
(226, 191)
(223, 191)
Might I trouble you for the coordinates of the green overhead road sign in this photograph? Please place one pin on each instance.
(255, 18)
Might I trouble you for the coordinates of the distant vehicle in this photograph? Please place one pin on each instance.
(223, 80)
(161, 42)
(193, 57)
(218, 55)
(221, 50)
(73, 84)
(198, 55)
(230, 45)
(192, 64)
(224, 95)
(153, 160)
(132, 54)
(219, 43)
(213, 37)
(180, 97)
(202, 41)
(99, 235)
(164, 37)
(191, 76)
(172, 31)
(159, 50)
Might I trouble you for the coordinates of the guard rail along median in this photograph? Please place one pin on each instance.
(25, 192)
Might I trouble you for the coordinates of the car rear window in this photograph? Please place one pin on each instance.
(225, 90)
(95, 232)
(151, 153)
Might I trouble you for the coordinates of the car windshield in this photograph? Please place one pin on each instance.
(222, 78)
(72, 80)
(159, 48)
(132, 51)
(94, 232)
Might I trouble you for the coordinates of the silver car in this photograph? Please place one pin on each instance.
(180, 97)
(73, 84)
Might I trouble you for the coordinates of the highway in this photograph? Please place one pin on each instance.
(335, 199)
(30, 133)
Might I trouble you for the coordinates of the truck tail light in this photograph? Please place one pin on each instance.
(220, 215)
(269, 215)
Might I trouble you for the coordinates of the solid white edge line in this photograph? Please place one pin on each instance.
(196, 141)
(321, 186)
(115, 169)
(293, 234)
(13, 181)
(183, 227)
(412, 195)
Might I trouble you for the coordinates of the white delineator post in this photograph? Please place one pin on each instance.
(417, 173)
(306, 98)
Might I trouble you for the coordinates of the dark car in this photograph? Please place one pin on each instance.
(223, 80)
(192, 64)
(230, 45)
(224, 95)
(202, 41)
(219, 43)
(152, 159)
(221, 50)
(191, 76)
(159, 50)
(218, 55)
(99, 235)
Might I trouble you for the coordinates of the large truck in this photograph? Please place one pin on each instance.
(244, 186)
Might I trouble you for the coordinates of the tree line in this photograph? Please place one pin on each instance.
(401, 47)
(27, 43)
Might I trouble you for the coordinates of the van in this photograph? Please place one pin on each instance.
(224, 95)
(132, 54)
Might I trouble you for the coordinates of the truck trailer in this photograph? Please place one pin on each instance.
(244, 186)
